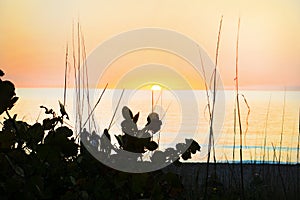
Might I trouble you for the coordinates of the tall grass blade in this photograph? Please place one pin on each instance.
(98, 101)
(211, 141)
(266, 128)
(66, 72)
(239, 112)
(234, 132)
(282, 126)
(247, 120)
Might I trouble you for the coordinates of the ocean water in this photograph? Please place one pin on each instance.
(184, 114)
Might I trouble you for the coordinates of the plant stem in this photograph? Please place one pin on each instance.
(234, 132)
(282, 126)
(265, 132)
(99, 99)
(212, 111)
(239, 113)
(66, 68)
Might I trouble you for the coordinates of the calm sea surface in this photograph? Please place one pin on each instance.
(185, 115)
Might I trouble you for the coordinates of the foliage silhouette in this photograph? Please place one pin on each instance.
(7, 94)
(43, 161)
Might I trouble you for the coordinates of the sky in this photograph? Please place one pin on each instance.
(34, 34)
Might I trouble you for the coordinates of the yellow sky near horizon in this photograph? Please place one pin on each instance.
(34, 35)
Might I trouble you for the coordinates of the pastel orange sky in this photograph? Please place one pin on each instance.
(33, 35)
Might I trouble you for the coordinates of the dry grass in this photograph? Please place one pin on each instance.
(282, 126)
(239, 112)
(211, 134)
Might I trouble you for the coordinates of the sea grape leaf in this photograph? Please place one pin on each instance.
(186, 155)
(48, 124)
(7, 94)
(120, 140)
(127, 113)
(63, 110)
(195, 147)
(106, 133)
(64, 130)
(36, 133)
(152, 146)
(136, 118)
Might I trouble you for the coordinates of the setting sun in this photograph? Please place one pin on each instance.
(155, 87)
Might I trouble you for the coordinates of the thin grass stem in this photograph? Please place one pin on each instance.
(212, 110)
(239, 114)
(282, 127)
(98, 101)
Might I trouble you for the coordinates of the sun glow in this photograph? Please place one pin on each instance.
(155, 87)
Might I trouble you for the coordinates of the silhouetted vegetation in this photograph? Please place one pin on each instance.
(43, 161)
